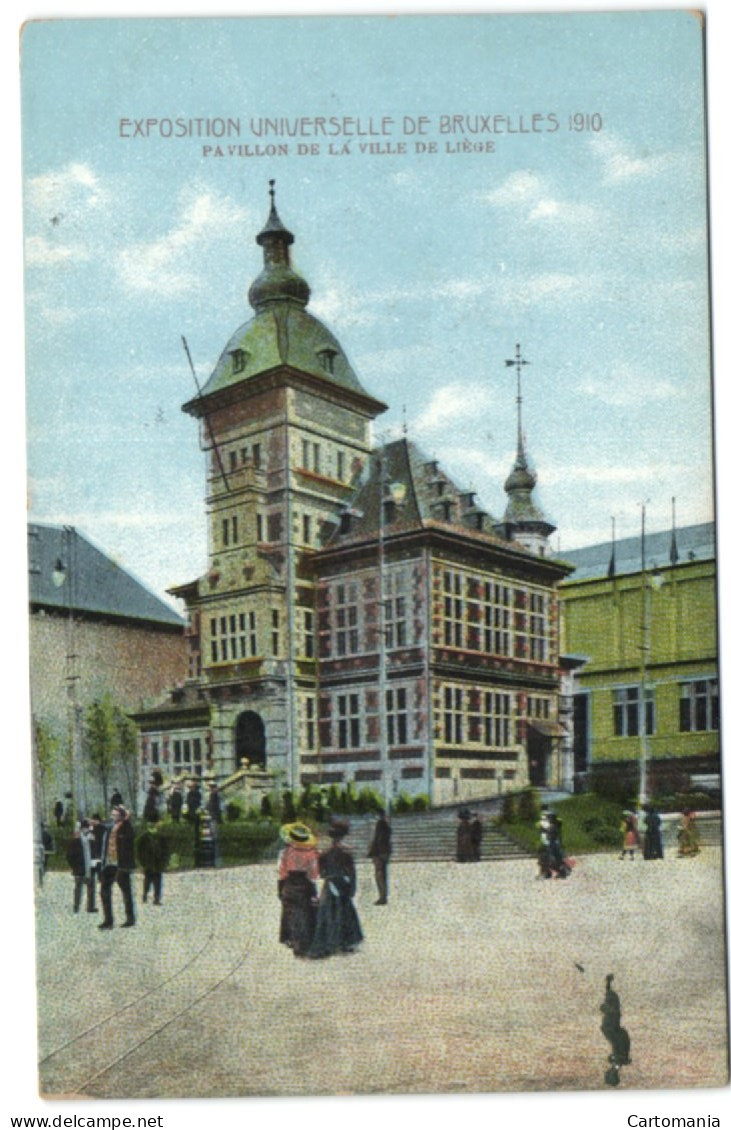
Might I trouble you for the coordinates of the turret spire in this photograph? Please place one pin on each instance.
(524, 521)
(278, 282)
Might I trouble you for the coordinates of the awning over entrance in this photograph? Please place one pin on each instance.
(547, 729)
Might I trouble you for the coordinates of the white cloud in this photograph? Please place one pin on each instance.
(451, 405)
(525, 190)
(40, 252)
(627, 385)
(169, 265)
(63, 191)
(521, 187)
(621, 162)
(549, 289)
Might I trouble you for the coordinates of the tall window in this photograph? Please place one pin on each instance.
(397, 717)
(498, 728)
(537, 623)
(275, 631)
(699, 706)
(348, 721)
(498, 618)
(309, 633)
(188, 756)
(453, 610)
(394, 613)
(310, 723)
(233, 637)
(453, 719)
(346, 619)
(627, 711)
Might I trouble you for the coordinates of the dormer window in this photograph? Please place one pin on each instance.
(239, 358)
(327, 359)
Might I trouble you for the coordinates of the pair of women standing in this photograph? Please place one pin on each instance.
(312, 925)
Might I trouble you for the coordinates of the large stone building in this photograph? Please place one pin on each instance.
(362, 618)
(645, 621)
(95, 631)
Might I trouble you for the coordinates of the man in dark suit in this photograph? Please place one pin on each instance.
(380, 853)
(118, 863)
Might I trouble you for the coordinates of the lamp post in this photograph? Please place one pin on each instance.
(64, 573)
(649, 582)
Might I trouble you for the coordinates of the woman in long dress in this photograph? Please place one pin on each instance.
(297, 872)
(338, 928)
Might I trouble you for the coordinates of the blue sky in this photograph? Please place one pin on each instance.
(589, 247)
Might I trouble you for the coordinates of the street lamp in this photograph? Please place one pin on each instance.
(650, 582)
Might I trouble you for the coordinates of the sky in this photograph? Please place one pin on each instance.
(106, 357)
(581, 234)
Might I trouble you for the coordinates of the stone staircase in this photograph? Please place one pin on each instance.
(432, 835)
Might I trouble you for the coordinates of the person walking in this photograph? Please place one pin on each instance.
(175, 803)
(79, 858)
(153, 856)
(213, 805)
(630, 834)
(338, 928)
(116, 798)
(652, 840)
(689, 840)
(297, 870)
(380, 852)
(193, 800)
(476, 838)
(58, 813)
(118, 862)
(464, 836)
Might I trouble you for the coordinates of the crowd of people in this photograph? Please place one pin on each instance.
(104, 855)
(316, 921)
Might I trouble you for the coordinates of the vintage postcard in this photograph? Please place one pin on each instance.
(372, 557)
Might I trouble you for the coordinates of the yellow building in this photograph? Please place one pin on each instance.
(654, 628)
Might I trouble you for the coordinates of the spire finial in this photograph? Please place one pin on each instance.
(271, 190)
(519, 361)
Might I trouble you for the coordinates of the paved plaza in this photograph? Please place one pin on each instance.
(474, 978)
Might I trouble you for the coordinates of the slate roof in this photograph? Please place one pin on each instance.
(92, 583)
(694, 543)
(420, 491)
(283, 334)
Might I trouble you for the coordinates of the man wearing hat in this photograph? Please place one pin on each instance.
(380, 852)
(118, 863)
(297, 870)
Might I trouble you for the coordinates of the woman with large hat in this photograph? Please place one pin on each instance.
(338, 928)
(297, 871)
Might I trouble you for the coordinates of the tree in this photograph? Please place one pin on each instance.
(126, 747)
(102, 740)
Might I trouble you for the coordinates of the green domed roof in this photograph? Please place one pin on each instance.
(283, 333)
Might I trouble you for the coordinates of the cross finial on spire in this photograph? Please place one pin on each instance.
(518, 361)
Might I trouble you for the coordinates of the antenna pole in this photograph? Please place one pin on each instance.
(206, 417)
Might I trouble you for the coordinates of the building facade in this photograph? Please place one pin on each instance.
(362, 619)
(651, 629)
(94, 632)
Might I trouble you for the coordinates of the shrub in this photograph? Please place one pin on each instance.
(511, 809)
(421, 803)
(529, 806)
(247, 841)
(233, 811)
(602, 830)
(616, 783)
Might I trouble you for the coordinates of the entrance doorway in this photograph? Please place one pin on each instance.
(251, 739)
(539, 757)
